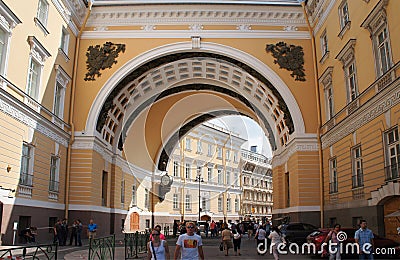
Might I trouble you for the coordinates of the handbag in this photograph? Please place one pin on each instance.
(221, 246)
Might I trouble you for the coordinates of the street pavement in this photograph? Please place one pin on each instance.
(210, 248)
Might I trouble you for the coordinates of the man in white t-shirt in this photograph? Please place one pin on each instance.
(189, 246)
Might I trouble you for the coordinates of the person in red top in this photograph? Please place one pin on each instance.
(157, 227)
(212, 227)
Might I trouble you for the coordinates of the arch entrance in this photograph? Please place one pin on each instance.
(148, 106)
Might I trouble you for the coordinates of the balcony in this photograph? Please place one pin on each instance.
(392, 172)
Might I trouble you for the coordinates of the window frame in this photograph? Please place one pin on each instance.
(54, 176)
(333, 178)
(175, 201)
(42, 16)
(392, 145)
(357, 167)
(188, 204)
(26, 178)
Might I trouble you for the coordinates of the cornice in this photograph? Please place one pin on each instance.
(307, 143)
(20, 112)
(379, 104)
(129, 15)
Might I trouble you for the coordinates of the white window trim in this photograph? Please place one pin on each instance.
(8, 21)
(63, 79)
(324, 47)
(188, 204)
(42, 24)
(331, 174)
(175, 201)
(354, 167)
(57, 171)
(63, 50)
(375, 22)
(32, 159)
(344, 25)
(326, 81)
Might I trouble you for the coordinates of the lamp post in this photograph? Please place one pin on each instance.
(200, 180)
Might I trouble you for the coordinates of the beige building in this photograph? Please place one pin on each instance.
(257, 200)
(95, 96)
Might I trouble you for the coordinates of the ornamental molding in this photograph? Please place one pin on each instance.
(95, 144)
(326, 77)
(346, 55)
(305, 143)
(64, 12)
(77, 10)
(376, 18)
(185, 14)
(32, 119)
(7, 18)
(378, 105)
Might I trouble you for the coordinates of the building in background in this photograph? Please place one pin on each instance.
(257, 200)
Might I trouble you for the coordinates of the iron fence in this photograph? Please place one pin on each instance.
(102, 248)
(48, 251)
(135, 243)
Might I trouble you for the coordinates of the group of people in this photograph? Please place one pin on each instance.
(188, 246)
(232, 238)
(61, 231)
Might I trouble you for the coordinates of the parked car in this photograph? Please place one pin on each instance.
(201, 226)
(318, 237)
(296, 232)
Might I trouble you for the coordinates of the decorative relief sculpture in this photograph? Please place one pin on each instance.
(101, 58)
(289, 57)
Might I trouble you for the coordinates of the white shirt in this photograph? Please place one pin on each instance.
(189, 246)
(159, 251)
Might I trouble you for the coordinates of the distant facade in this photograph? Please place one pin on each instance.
(257, 202)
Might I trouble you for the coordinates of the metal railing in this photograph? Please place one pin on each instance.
(53, 185)
(392, 172)
(135, 243)
(102, 248)
(26, 179)
(48, 251)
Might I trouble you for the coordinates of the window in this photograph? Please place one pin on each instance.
(42, 15)
(7, 24)
(237, 205)
(377, 25)
(122, 191)
(209, 174)
(219, 152)
(204, 203)
(287, 187)
(329, 102)
(220, 177)
(26, 172)
(357, 174)
(146, 199)
(175, 201)
(210, 150)
(228, 178)
(54, 173)
(104, 188)
(351, 82)
(392, 154)
(235, 157)
(64, 41)
(188, 199)
(176, 169)
(187, 171)
(62, 79)
(33, 79)
(236, 181)
(344, 14)
(199, 149)
(227, 154)
(324, 45)
(333, 178)
(188, 144)
(134, 203)
(228, 204)
(219, 203)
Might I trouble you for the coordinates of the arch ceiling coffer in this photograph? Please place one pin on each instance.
(147, 83)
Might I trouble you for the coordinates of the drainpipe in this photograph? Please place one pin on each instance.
(71, 110)
(317, 93)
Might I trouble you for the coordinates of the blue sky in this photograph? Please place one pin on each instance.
(248, 129)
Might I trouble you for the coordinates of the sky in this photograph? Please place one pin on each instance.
(248, 129)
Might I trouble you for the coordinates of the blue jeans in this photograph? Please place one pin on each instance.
(366, 256)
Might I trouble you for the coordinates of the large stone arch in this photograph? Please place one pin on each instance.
(245, 78)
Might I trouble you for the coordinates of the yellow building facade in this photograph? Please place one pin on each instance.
(95, 96)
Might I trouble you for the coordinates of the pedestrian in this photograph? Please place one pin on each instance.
(92, 229)
(250, 230)
(58, 238)
(189, 245)
(237, 240)
(157, 249)
(206, 228)
(175, 228)
(260, 236)
(74, 229)
(363, 236)
(213, 227)
(276, 239)
(64, 231)
(333, 243)
(226, 238)
(157, 227)
(79, 232)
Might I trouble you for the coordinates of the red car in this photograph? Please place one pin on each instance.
(387, 248)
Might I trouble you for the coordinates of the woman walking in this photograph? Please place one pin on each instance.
(227, 239)
(157, 249)
(332, 238)
(276, 239)
(237, 240)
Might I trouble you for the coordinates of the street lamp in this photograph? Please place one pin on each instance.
(200, 180)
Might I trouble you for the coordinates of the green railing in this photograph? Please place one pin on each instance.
(30, 252)
(102, 248)
(135, 243)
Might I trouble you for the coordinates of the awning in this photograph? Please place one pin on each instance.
(394, 214)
